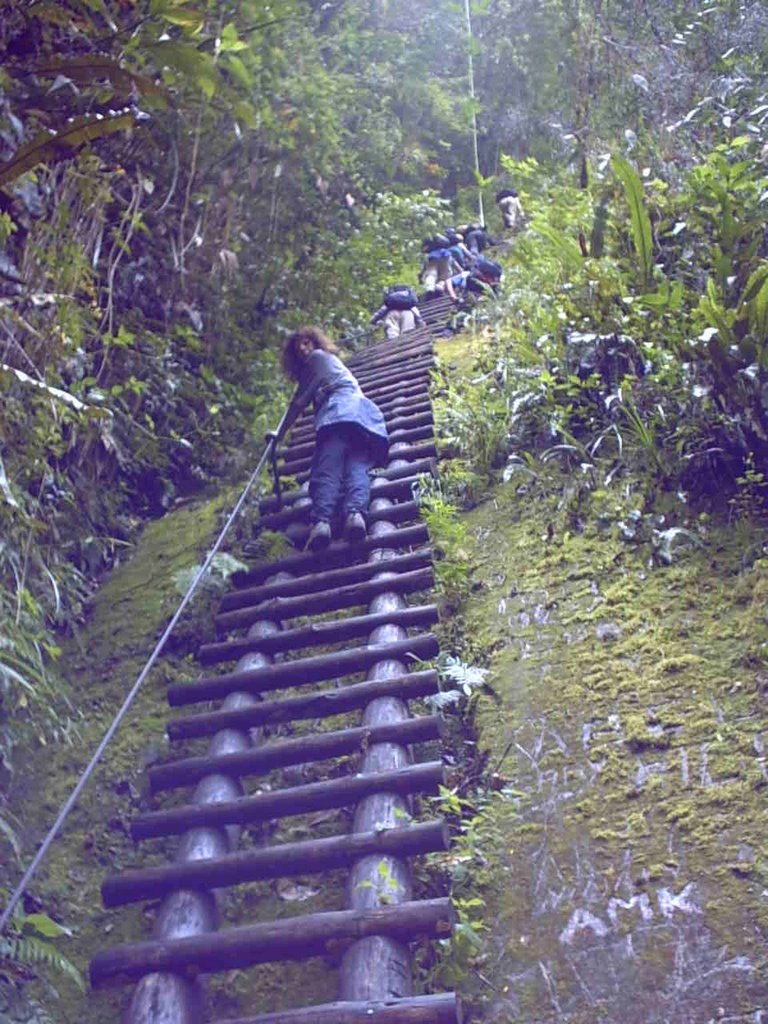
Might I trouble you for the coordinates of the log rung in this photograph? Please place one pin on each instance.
(324, 580)
(398, 436)
(408, 452)
(334, 599)
(317, 796)
(302, 750)
(318, 633)
(295, 938)
(322, 704)
(416, 468)
(443, 1008)
(285, 860)
(336, 555)
(303, 671)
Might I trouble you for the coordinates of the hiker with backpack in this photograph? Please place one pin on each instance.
(399, 311)
(509, 203)
(459, 251)
(350, 435)
(439, 265)
(485, 277)
(476, 238)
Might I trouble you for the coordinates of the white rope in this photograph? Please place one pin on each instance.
(474, 115)
(71, 800)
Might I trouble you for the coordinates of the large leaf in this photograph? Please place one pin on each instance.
(50, 146)
(95, 68)
(641, 222)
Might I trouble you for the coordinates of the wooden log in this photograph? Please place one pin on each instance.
(284, 860)
(393, 409)
(333, 599)
(336, 555)
(401, 490)
(397, 396)
(397, 437)
(302, 671)
(317, 634)
(444, 1008)
(316, 796)
(422, 450)
(303, 446)
(322, 704)
(417, 468)
(423, 349)
(397, 351)
(323, 580)
(293, 938)
(302, 750)
(418, 385)
(402, 512)
(399, 372)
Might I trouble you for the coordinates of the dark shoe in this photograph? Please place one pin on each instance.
(354, 528)
(319, 536)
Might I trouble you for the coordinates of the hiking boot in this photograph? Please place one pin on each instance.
(319, 536)
(354, 528)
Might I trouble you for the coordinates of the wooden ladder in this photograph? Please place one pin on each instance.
(370, 581)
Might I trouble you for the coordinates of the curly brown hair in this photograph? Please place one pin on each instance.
(291, 361)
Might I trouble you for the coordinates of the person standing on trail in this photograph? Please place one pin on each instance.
(350, 434)
(399, 311)
(508, 202)
(476, 238)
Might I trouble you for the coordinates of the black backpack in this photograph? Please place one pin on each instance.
(436, 242)
(485, 266)
(506, 193)
(400, 296)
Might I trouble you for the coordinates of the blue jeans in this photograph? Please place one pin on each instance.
(339, 480)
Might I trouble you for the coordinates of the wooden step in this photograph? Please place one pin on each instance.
(302, 750)
(306, 446)
(396, 437)
(443, 1008)
(338, 554)
(332, 579)
(416, 468)
(316, 796)
(294, 938)
(318, 634)
(318, 704)
(302, 671)
(284, 860)
(334, 599)
(391, 410)
(400, 397)
(406, 452)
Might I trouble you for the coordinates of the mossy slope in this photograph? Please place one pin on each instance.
(631, 881)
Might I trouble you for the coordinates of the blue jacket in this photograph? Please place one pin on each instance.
(337, 398)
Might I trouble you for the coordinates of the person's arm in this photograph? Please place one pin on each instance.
(310, 381)
(417, 315)
(380, 313)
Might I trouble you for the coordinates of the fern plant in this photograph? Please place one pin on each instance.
(26, 950)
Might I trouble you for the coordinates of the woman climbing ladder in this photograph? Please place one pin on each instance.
(350, 435)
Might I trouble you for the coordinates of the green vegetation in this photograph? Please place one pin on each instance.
(182, 183)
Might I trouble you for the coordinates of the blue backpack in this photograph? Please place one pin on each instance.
(400, 296)
(438, 254)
